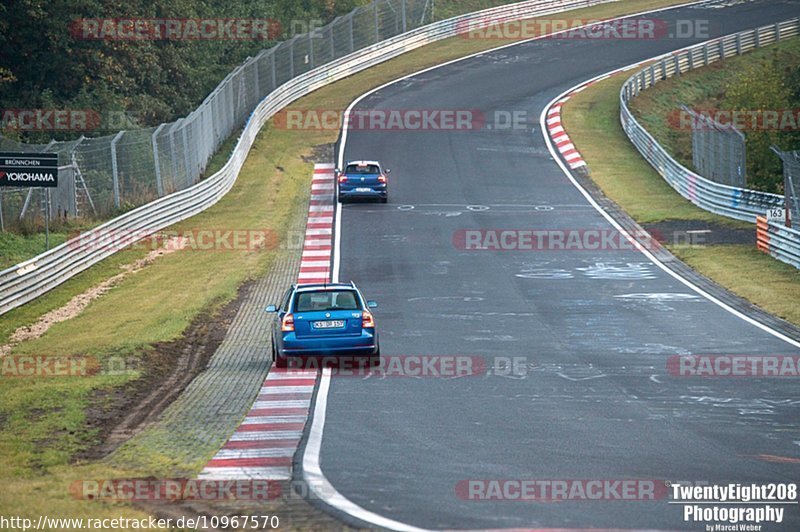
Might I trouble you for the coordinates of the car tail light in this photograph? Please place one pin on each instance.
(287, 325)
(367, 320)
(381, 179)
(342, 179)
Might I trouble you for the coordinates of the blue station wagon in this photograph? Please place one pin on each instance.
(323, 319)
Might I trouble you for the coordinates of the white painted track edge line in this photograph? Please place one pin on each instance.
(316, 480)
(619, 228)
(312, 470)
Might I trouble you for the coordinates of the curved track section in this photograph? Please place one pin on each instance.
(594, 329)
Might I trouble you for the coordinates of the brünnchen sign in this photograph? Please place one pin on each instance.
(28, 169)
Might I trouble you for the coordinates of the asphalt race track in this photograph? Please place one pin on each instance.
(595, 328)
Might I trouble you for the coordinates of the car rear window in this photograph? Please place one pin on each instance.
(366, 169)
(326, 300)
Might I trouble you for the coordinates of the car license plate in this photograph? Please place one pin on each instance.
(363, 189)
(331, 324)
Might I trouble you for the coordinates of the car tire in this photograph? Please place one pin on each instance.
(374, 360)
(277, 362)
(385, 200)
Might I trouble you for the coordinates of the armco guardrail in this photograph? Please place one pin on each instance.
(733, 202)
(31, 278)
(780, 241)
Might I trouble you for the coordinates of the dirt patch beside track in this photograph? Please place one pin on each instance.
(171, 366)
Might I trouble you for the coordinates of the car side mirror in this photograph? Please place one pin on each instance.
(271, 308)
(337, 172)
(388, 170)
(372, 304)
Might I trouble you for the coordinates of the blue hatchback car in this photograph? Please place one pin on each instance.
(323, 319)
(363, 179)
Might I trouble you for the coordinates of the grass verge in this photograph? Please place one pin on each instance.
(42, 419)
(592, 120)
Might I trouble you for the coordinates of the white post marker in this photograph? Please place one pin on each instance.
(778, 215)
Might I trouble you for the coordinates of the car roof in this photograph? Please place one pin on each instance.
(316, 287)
(364, 163)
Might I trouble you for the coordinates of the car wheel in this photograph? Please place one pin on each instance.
(277, 362)
(374, 360)
(385, 200)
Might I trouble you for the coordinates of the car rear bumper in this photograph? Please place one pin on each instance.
(372, 193)
(366, 344)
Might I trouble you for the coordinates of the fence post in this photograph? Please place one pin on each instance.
(742, 160)
(738, 44)
(241, 99)
(721, 49)
(375, 10)
(352, 37)
(46, 219)
(76, 173)
(777, 32)
(235, 95)
(159, 185)
(25, 204)
(333, 48)
(172, 150)
(114, 169)
(792, 205)
(311, 49)
(206, 142)
(185, 136)
(403, 13)
(291, 58)
(274, 72)
(258, 81)
(705, 54)
(788, 186)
